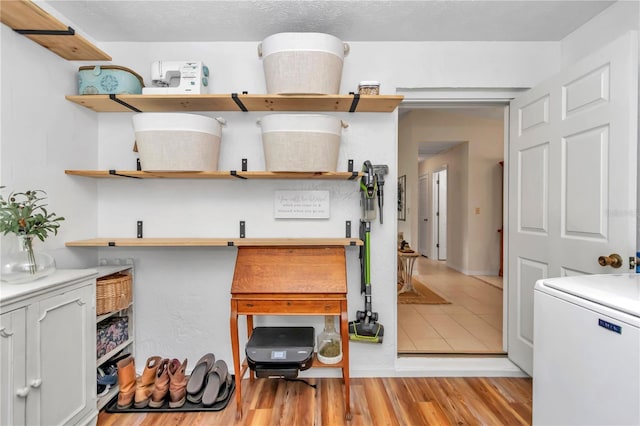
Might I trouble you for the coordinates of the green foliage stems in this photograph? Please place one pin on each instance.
(24, 213)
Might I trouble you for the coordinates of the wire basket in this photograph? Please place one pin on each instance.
(113, 293)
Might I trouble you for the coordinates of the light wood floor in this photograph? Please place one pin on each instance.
(375, 401)
(471, 324)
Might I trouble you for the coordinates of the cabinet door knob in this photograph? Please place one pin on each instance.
(23, 392)
(35, 383)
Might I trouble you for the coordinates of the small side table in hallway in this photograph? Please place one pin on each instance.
(407, 260)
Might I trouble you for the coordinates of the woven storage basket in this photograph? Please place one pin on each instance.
(113, 293)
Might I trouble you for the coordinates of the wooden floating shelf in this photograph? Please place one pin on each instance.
(138, 174)
(212, 242)
(236, 102)
(28, 19)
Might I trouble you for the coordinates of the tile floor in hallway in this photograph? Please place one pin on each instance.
(471, 324)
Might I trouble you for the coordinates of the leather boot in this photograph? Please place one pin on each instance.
(146, 383)
(126, 382)
(178, 383)
(161, 386)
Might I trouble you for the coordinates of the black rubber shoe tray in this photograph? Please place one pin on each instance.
(112, 407)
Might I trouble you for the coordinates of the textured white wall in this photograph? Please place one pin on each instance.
(617, 19)
(200, 278)
(42, 135)
(182, 295)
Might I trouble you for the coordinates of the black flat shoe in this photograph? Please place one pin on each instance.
(198, 378)
(216, 379)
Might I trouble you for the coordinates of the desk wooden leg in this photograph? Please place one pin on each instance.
(235, 347)
(252, 376)
(344, 333)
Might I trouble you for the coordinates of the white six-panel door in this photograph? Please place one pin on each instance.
(423, 215)
(440, 215)
(572, 169)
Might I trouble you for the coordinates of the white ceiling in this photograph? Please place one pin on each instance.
(354, 20)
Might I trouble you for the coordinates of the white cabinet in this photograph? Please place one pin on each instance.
(13, 366)
(47, 348)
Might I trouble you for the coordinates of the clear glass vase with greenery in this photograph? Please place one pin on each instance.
(25, 215)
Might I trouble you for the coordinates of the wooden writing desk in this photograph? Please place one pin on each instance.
(300, 280)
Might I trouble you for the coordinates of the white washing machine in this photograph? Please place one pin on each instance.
(586, 357)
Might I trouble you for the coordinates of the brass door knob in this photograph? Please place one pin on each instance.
(614, 260)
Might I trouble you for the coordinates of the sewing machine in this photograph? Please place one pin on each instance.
(178, 77)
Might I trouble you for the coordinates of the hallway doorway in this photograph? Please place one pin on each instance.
(470, 324)
(459, 152)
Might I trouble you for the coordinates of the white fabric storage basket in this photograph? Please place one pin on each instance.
(177, 142)
(303, 63)
(301, 142)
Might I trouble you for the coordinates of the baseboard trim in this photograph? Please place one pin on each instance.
(457, 367)
(422, 366)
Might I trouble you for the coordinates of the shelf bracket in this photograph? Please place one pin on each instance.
(354, 103)
(354, 174)
(139, 232)
(121, 102)
(350, 165)
(234, 173)
(111, 243)
(242, 229)
(348, 229)
(115, 173)
(68, 32)
(238, 102)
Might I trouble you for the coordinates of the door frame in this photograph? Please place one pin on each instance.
(466, 98)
